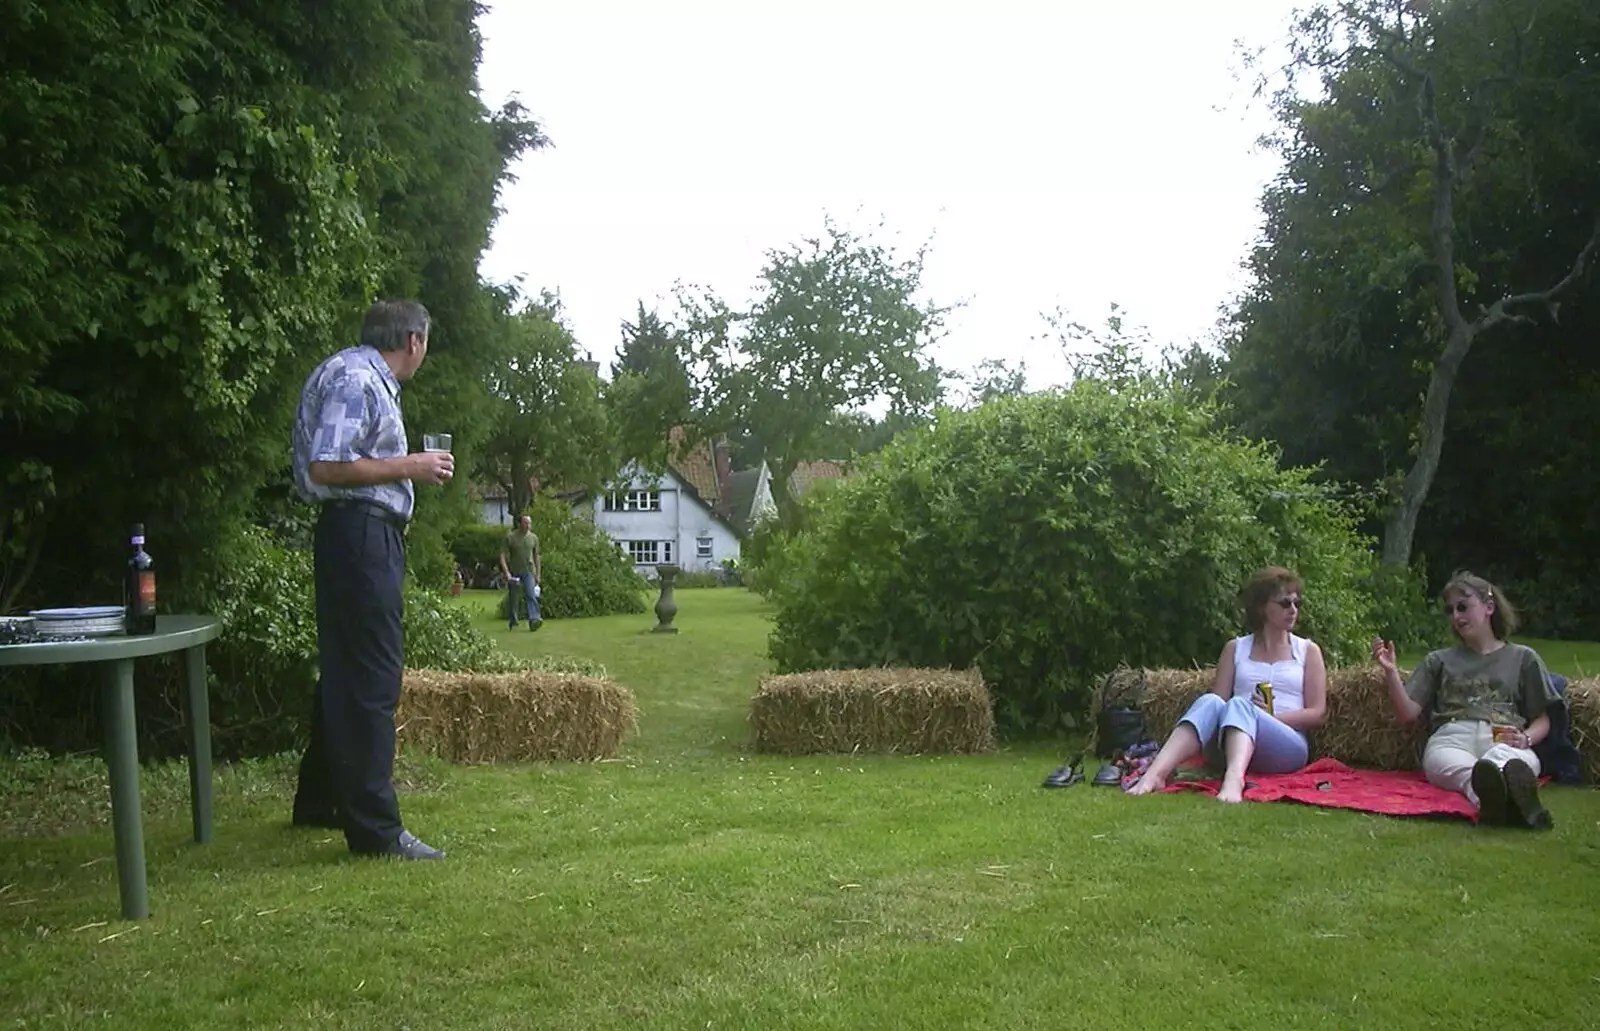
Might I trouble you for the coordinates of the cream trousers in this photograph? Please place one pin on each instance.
(1447, 760)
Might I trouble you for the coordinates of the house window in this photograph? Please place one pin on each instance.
(702, 547)
(648, 553)
(633, 501)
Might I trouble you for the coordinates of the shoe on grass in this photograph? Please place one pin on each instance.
(1489, 784)
(1523, 808)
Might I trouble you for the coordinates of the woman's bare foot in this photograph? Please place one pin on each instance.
(1232, 790)
(1148, 783)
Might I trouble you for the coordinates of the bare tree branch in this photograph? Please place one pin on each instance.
(1498, 312)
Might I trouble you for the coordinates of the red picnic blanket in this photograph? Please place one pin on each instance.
(1329, 782)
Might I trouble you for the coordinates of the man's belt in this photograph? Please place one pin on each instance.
(371, 509)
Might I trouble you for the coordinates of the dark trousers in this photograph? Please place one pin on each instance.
(349, 766)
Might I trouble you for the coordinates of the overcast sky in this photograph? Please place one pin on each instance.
(1072, 155)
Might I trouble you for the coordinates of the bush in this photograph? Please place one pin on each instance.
(1049, 537)
(428, 561)
(478, 544)
(697, 578)
(582, 571)
(1401, 610)
(764, 544)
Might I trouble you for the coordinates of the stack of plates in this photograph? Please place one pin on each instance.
(94, 621)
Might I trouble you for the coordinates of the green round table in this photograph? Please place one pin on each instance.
(115, 656)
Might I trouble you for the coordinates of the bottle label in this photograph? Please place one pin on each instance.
(147, 592)
(137, 540)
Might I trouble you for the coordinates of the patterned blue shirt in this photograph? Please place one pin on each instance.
(350, 409)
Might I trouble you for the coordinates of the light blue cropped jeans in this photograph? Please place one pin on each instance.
(1279, 747)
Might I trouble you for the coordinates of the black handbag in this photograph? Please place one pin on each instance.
(1120, 724)
(1118, 728)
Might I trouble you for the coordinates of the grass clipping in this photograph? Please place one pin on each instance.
(1360, 728)
(526, 716)
(873, 710)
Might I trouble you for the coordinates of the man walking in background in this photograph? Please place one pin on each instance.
(519, 561)
(350, 458)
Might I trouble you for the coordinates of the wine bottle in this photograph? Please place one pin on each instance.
(139, 588)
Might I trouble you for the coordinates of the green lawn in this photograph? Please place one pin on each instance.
(694, 885)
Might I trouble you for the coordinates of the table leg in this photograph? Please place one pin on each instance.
(122, 761)
(197, 710)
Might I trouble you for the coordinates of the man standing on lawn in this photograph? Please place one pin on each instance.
(350, 458)
(519, 561)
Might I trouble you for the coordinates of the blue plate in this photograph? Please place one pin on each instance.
(92, 612)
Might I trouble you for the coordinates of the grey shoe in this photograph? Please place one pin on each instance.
(409, 846)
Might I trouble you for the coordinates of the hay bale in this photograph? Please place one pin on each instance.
(526, 716)
(1583, 703)
(1360, 728)
(873, 710)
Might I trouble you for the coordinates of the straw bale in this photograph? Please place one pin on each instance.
(525, 716)
(1583, 702)
(1360, 728)
(880, 710)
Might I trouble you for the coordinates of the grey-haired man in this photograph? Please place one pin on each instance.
(351, 458)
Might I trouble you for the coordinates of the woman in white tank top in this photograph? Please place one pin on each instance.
(1270, 688)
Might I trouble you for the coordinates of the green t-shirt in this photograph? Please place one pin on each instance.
(520, 549)
(1508, 686)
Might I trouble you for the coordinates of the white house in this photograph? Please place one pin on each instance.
(695, 515)
(660, 519)
(496, 505)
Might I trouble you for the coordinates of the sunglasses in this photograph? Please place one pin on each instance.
(1289, 603)
(1460, 606)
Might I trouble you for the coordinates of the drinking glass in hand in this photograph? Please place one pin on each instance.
(436, 442)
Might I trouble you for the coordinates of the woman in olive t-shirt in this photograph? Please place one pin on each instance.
(1486, 700)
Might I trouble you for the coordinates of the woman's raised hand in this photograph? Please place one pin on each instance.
(1383, 652)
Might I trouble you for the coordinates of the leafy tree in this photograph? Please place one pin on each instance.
(650, 392)
(189, 223)
(199, 201)
(836, 325)
(845, 436)
(1418, 215)
(994, 377)
(550, 428)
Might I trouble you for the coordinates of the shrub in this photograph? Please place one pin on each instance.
(428, 561)
(1049, 537)
(478, 544)
(1401, 610)
(697, 578)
